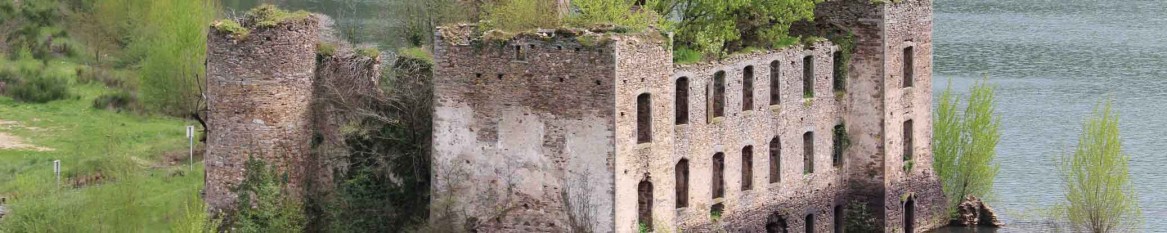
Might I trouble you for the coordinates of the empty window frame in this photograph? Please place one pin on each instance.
(908, 140)
(682, 101)
(644, 203)
(909, 66)
(839, 219)
(838, 81)
(810, 223)
(747, 168)
(644, 118)
(775, 160)
(838, 142)
(682, 170)
(748, 88)
(718, 184)
(519, 53)
(808, 153)
(719, 94)
(808, 77)
(775, 79)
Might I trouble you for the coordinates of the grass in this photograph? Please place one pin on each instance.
(268, 15)
(417, 53)
(136, 192)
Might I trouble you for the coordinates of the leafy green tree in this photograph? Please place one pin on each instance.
(1096, 179)
(590, 13)
(719, 26)
(964, 146)
(263, 204)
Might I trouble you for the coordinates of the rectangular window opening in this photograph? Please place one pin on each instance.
(682, 101)
(808, 152)
(747, 168)
(643, 118)
(775, 79)
(808, 77)
(909, 66)
(748, 88)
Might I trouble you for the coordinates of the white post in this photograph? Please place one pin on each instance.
(57, 171)
(190, 136)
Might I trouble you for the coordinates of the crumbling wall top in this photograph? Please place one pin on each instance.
(470, 34)
(263, 17)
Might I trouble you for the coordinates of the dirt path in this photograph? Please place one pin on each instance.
(10, 142)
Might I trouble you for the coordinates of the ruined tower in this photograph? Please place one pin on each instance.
(259, 83)
(562, 130)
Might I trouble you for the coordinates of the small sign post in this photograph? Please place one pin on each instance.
(190, 136)
(57, 171)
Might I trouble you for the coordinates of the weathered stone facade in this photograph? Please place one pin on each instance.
(269, 95)
(254, 89)
(534, 133)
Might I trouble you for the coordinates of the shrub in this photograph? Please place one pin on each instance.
(1096, 179)
(263, 204)
(119, 101)
(590, 13)
(520, 15)
(686, 56)
(38, 87)
(964, 146)
(859, 218)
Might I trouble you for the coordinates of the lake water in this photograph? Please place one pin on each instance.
(1053, 61)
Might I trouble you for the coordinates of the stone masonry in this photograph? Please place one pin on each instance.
(264, 94)
(554, 132)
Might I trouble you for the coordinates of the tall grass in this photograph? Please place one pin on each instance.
(964, 145)
(1096, 179)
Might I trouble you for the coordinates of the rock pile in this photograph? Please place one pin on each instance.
(972, 212)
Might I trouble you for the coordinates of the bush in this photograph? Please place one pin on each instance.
(1096, 179)
(859, 218)
(686, 56)
(263, 204)
(38, 87)
(119, 101)
(520, 15)
(590, 13)
(965, 145)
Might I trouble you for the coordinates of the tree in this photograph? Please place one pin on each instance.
(720, 26)
(1096, 179)
(964, 146)
(520, 15)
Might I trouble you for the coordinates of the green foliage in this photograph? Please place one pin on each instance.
(718, 27)
(325, 48)
(592, 13)
(268, 15)
(686, 56)
(263, 204)
(38, 32)
(370, 52)
(520, 15)
(642, 228)
(417, 53)
(1100, 196)
(230, 26)
(964, 146)
(194, 218)
(175, 46)
(859, 218)
(118, 101)
(37, 86)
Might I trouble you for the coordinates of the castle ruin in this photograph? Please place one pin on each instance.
(568, 131)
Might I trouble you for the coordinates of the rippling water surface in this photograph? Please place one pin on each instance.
(1052, 60)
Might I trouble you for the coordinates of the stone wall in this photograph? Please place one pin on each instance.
(523, 132)
(258, 88)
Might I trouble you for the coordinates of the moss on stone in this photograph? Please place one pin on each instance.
(268, 15)
(418, 53)
(370, 52)
(325, 48)
(231, 27)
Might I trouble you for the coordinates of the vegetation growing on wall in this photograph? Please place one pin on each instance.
(717, 28)
(264, 204)
(1100, 196)
(964, 145)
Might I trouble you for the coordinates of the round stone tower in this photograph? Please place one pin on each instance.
(259, 86)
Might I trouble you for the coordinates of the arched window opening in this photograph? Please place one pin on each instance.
(682, 101)
(644, 203)
(682, 171)
(808, 77)
(775, 160)
(643, 118)
(775, 79)
(747, 168)
(748, 88)
(839, 219)
(838, 144)
(719, 94)
(808, 153)
(810, 223)
(718, 175)
(908, 140)
(776, 224)
(909, 66)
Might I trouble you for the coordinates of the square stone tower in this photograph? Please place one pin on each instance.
(595, 131)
